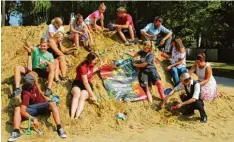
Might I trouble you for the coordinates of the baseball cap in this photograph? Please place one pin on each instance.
(28, 79)
(185, 76)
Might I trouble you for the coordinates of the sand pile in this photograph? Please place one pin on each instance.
(102, 120)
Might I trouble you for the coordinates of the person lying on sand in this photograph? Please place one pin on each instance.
(148, 74)
(91, 20)
(82, 88)
(40, 61)
(34, 103)
(193, 99)
(79, 30)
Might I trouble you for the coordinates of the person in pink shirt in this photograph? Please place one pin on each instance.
(91, 20)
(124, 25)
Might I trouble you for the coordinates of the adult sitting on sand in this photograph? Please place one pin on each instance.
(178, 60)
(154, 31)
(148, 74)
(124, 26)
(91, 20)
(207, 81)
(40, 61)
(193, 98)
(82, 87)
(79, 30)
(33, 103)
(55, 26)
(58, 53)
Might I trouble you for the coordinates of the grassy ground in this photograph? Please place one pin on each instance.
(219, 69)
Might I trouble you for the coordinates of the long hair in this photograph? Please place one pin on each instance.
(91, 56)
(179, 44)
(102, 5)
(58, 35)
(149, 44)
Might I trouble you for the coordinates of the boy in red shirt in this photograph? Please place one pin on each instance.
(34, 103)
(124, 26)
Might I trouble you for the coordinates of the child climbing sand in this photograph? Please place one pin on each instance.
(91, 20)
(148, 74)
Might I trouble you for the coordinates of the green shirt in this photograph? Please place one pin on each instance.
(38, 56)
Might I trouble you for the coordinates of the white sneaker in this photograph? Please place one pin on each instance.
(14, 136)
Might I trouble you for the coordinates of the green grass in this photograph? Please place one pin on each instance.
(215, 65)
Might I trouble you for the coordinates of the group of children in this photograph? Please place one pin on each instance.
(48, 60)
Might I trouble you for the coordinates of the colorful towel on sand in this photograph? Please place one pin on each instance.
(121, 82)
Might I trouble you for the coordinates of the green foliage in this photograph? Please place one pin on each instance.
(41, 6)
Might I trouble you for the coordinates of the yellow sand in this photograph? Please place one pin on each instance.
(145, 123)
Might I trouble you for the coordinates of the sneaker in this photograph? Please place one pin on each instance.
(131, 42)
(62, 133)
(15, 93)
(126, 43)
(14, 136)
(63, 79)
(88, 48)
(204, 119)
(48, 92)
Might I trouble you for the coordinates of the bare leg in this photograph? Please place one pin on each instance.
(122, 36)
(63, 66)
(54, 109)
(51, 70)
(149, 96)
(75, 38)
(56, 74)
(130, 29)
(84, 96)
(75, 99)
(90, 27)
(17, 118)
(18, 71)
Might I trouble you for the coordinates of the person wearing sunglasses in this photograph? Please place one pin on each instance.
(158, 33)
(148, 74)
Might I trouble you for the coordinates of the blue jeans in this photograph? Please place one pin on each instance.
(167, 44)
(176, 74)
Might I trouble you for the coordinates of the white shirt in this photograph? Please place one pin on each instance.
(52, 28)
(176, 56)
(197, 89)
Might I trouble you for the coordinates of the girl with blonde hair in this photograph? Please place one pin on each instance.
(91, 20)
(55, 26)
(148, 74)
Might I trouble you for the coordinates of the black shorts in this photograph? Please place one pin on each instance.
(40, 108)
(148, 78)
(41, 72)
(78, 83)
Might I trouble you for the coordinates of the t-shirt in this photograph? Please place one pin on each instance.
(52, 28)
(152, 30)
(123, 20)
(84, 70)
(38, 57)
(95, 14)
(33, 96)
(176, 56)
(79, 28)
(197, 89)
(148, 58)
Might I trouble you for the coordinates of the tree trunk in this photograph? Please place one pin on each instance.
(3, 13)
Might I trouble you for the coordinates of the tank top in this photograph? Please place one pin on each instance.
(201, 73)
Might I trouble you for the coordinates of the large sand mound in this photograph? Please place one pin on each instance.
(102, 120)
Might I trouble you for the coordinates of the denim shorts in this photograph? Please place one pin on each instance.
(40, 108)
(148, 78)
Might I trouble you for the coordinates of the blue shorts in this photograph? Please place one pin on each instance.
(40, 108)
(148, 78)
